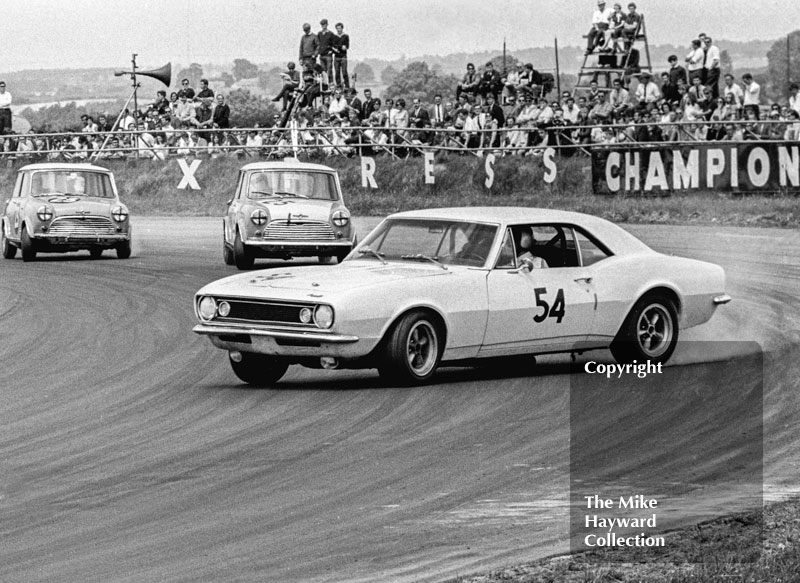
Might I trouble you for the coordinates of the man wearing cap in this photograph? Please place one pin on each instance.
(309, 47)
(5, 109)
(600, 20)
(326, 41)
(647, 92)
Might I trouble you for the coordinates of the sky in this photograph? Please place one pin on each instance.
(45, 34)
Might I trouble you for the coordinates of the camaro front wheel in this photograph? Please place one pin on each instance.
(413, 350)
(258, 370)
(650, 332)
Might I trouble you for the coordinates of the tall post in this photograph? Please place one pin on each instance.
(504, 56)
(788, 62)
(135, 87)
(558, 70)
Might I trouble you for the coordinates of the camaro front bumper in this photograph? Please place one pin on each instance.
(280, 342)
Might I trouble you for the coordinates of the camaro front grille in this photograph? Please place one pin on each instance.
(67, 226)
(304, 231)
(251, 311)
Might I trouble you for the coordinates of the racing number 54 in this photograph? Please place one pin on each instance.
(555, 311)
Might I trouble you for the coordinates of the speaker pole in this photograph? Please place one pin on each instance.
(135, 87)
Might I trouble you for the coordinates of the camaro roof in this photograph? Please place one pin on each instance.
(616, 238)
(64, 166)
(286, 164)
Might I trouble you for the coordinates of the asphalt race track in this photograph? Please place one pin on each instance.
(129, 452)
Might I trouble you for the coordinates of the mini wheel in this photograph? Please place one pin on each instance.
(413, 350)
(650, 332)
(27, 245)
(258, 370)
(227, 254)
(242, 256)
(95, 252)
(9, 250)
(124, 250)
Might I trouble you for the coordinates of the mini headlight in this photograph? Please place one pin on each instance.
(224, 309)
(323, 316)
(259, 216)
(341, 218)
(119, 214)
(45, 213)
(207, 308)
(305, 315)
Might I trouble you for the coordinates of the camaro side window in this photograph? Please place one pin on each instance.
(590, 252)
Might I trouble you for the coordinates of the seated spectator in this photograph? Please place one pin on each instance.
(353, 104)
(185, 112)
(619, 99)
(469, 83)
(633, 22)
(89, 127)
(793, 126)
(512, 81)
(222, 112)
(601, 111)
(613, 35)
(490, 81)
(571, 111)
(205, 92)
(600, 24)
(338, 105)
(291, 82)
(647, 93)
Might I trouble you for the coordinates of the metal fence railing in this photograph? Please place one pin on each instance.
(338, 140)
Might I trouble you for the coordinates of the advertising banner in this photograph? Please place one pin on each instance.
(638, 168)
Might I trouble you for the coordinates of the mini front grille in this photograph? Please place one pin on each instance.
(67, 226)
(304, 231)
(264, 312)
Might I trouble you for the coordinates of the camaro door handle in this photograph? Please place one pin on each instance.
(584, 280)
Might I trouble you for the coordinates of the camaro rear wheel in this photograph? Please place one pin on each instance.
(242, 256)
(9, 251)
(28, 249)
(413, 350)
(258, 370)
(124, 250)
(650, 332)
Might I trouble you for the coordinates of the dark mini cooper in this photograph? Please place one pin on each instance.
(56, 208)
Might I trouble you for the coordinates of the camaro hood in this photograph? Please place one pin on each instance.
(300, 209)
(300, 282)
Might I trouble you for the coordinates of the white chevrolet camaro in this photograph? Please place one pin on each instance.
(460, 285)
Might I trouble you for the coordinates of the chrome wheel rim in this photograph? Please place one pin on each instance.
(654, 330)
(422, 348)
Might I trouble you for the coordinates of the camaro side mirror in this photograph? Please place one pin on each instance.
(526, 267)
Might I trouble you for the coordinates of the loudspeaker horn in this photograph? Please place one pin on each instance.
(163, 74)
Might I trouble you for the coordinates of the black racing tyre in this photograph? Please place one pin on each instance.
(9, 250)
(413, 350)
(95, 252)
(227, 253)
(324, 259)
(258, 370)
(124, 250)
(650, 332)
(243, 257)
(341, 255)
(27, 245)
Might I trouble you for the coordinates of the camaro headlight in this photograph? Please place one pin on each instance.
(323, 316)
(119, 214)
(45, 213)
(259, 216)
(224, 309)
(341, 218)
(207, 308)
(305, 315)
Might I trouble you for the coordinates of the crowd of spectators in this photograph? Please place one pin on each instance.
(511, 112)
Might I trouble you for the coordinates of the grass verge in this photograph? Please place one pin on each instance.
(150, 188)
(725, 542)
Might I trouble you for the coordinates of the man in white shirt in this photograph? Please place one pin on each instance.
(733, 88)
(752, 94)
(5, 109)
(647, 92)
(600, 20)
(711, 67)
(794, 97)
(338, 106)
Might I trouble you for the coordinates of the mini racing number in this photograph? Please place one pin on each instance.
(555, 311)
